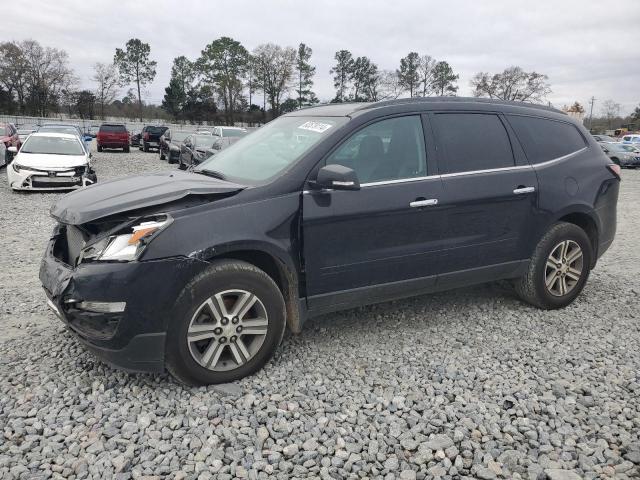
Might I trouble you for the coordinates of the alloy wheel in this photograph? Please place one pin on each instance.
(564, 268)
(227, 330)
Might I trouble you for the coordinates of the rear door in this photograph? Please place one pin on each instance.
(388, 232)
(490, 195)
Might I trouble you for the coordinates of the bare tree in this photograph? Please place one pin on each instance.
(426, 68)
(106, 76)
(512, 84)
(610, 110)
(48, 75)
(275, 67)
(388, 86)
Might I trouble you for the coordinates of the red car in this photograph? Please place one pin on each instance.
(9, 137)
(113, 135)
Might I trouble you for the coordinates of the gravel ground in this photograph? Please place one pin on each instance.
(470, 383)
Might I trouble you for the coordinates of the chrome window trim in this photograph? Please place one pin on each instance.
(471, 172)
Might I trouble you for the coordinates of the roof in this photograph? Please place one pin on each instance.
(54, 134)
(348, 109)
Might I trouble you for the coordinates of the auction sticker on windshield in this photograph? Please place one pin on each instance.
(316, 126)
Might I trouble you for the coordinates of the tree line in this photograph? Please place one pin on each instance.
(227, 83)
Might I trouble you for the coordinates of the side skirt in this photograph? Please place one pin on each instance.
(333, 302)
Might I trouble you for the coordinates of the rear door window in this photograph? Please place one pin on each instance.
(543, 139)
(472, 141)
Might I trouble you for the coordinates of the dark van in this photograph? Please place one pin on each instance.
(324, 209)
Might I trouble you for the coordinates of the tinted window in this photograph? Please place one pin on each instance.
(155, 130)
(387, 150)
(472, 141)
(544, 139)
(113, 128)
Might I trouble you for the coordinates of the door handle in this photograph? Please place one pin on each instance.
(521, 190)
(424, 203)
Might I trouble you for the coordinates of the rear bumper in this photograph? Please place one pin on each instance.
(114, 144)
(132, 338)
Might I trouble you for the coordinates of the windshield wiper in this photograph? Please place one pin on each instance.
(210, 173)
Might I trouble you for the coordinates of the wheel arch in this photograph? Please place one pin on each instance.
(283, 273)
(587, 222)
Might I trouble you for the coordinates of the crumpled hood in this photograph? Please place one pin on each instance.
(117, 196)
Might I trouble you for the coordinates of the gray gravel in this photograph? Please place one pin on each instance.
(470, 383)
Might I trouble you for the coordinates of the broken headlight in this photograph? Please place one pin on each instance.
(127, 244)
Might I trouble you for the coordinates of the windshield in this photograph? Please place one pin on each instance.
(271, 149)
(61, 129)
(177, 137)
(204, 141)
(626, 148)
(52, 145)
(232, 132)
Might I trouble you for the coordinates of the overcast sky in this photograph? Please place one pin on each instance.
(584, 48)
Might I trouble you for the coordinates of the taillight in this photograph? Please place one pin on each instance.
(616, 170)
(146, 135)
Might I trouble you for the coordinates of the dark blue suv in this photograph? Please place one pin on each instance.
(323, 209)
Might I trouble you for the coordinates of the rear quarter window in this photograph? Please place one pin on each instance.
(543, 139)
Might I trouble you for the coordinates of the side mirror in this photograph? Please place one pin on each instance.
(12, 149)
(336, 177)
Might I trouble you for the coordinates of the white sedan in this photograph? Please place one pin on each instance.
(50, 161)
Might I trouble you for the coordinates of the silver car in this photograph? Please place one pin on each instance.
(623, 155)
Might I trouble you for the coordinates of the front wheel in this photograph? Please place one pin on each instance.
(227, 323)
(99, 148)
(558, 269)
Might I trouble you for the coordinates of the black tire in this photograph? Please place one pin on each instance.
(99, 148)
(126, 149)
(222, 276)
(161, 154)
(532, 288)
(146, 147)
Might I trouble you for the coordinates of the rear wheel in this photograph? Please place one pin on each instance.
(227, 324)
(559, 268)
(99, 148)
(126, 149)
(161, 154)
(146, 147)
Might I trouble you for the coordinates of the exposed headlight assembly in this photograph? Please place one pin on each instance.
(128, 243)
(17, 168)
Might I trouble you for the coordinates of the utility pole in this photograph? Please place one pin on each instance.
(592, 101)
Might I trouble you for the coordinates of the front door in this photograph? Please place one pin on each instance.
(388, 232)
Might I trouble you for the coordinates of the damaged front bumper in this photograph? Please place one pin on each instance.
(119, 310)
(34, 179)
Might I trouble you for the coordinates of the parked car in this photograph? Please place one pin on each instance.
(623, 155)
(67, 128)
(25, 130)
(196, 148)
(92, 131)
(135, 139)
(229, 135)
(151, 137)
(9, 138)
(51, 161)
(604, 138)
(113, 135)
(323, 209)
(631, 140)
(170, 143)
